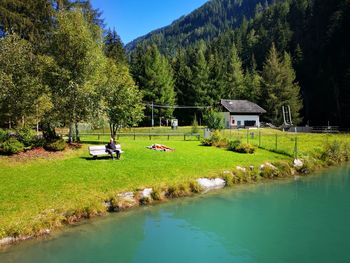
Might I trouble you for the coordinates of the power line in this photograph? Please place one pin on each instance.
(176, 106)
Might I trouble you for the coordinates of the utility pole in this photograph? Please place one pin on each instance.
(152, 115)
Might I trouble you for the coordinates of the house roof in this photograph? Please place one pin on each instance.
(242, 106)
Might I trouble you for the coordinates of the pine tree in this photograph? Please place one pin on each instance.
(114, 47)
(291, 89)
(157, 81)
(279, 88)
(216, 78)
(200, 76)
(234, 79)
(252, 83)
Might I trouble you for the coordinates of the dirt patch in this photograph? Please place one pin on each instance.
(36, 153)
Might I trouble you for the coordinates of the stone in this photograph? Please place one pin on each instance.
(146, 193)
(210, 184)
(298, 163)
(240, 168)
(268, 165)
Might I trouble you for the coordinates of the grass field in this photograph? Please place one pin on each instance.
(32, 192)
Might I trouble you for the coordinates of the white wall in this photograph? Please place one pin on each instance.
(243, 118)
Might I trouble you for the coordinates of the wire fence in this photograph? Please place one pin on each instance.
(291, 144)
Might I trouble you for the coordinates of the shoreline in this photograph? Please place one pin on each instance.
(265, 173)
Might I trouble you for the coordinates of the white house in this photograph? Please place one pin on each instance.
(241, 113)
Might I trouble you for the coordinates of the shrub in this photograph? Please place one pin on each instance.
(26, 136)
(11, 146)
(177, 191)
(228, 177)
(195, 128)
(283, 167)
(38, 141)
(156, 194)
(233, 144)
(269, 172)
(241, 147)
(56, 145)
(206, 142)
(4, 135)
(214, 120)
(215, 137)
(334, 152)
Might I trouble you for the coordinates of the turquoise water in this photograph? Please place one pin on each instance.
(302, 220)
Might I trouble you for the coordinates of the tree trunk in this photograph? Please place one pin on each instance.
(77, 137)
(111, 129)
(70, 135)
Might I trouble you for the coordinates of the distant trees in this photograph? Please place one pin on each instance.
(154, 76)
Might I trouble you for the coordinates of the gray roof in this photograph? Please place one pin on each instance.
(242, 106)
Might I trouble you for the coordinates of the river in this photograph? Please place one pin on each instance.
(300, 220)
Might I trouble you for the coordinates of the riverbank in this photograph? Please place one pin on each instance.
(46, 194)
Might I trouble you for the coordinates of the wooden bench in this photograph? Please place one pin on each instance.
(101, 150)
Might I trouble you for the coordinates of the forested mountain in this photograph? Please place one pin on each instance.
(311, 36)
(205, 23)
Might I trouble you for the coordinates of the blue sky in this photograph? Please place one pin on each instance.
(134, 18)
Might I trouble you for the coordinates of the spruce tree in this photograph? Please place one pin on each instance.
(252, 83)
(200, 76)
(157, 81)
(234, 78)
(114, 47)
(279, 88)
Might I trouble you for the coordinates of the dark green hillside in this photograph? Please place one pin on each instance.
(205, 23)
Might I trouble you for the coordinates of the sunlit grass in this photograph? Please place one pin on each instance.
(74, 181)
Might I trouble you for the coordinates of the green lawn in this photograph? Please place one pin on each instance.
(74, 181)
(33, 191)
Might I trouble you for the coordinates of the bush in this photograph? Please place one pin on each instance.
(26, 136)
(195, 128)
(55, 146)
(233, 144)
(156, 194)
(4, 135)
(38, 141)
(177, 191)
(239, 147)
(11, 146)
(206, 142)
(214, 120)
(334, 153)
(283, 167)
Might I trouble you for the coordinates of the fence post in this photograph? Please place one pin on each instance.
(134, 136)
(296, 148)
(184, 137)
(276, 142)
(259, 138)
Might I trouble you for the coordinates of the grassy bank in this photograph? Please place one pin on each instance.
(45, 192)
(34, 193)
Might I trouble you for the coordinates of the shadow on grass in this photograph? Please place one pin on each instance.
(90, 158)
(95, 142)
